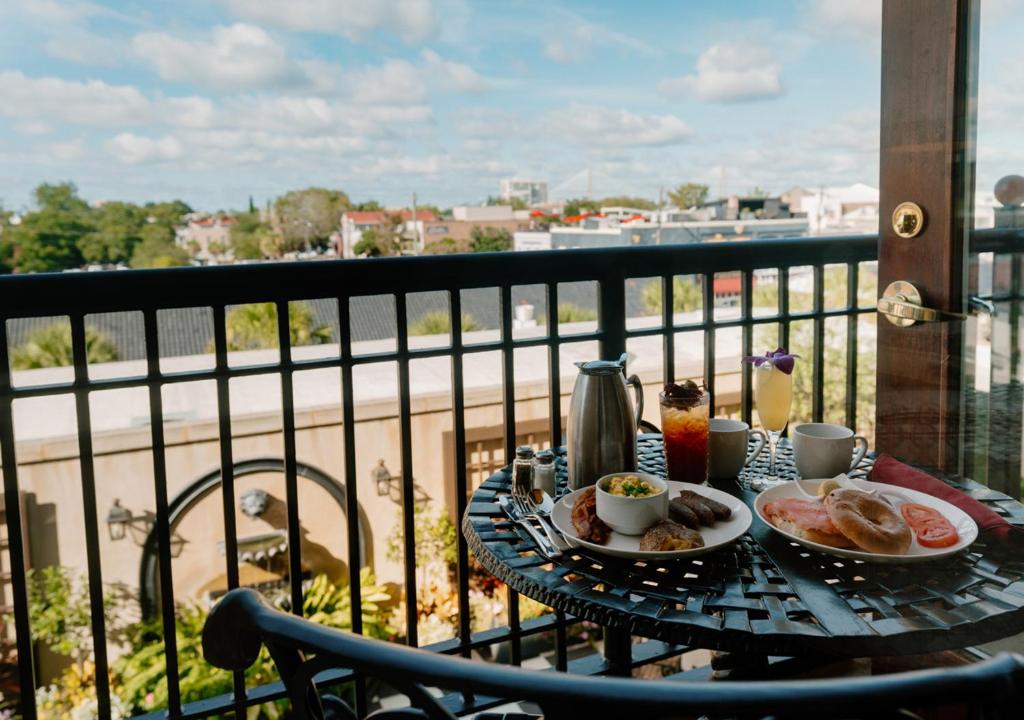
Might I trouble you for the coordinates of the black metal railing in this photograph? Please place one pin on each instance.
(78, 295)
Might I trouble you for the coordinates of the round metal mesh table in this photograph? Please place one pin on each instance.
(764, 594)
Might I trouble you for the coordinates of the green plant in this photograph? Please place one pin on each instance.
(331, 605)
(436, 322)
(50, 346)
(436, 538)
(489, 239)
(254, 327)
(686, 296)
(571, 313)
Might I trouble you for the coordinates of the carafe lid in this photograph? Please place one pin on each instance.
(600, 367)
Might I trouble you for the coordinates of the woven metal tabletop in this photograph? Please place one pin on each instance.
(764, 594)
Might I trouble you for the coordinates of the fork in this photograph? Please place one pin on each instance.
(525, 512)
(525, 508)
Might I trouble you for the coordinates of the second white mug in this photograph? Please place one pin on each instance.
(727, 447)
(824, 450)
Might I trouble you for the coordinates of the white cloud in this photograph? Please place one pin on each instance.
(396, 82)
(857, 19)
(134, 149)
(33, 127)
(729, 73)
(413, 20)
(607, 127)
(238, 57)
(92, 102)
(41, 102)
(454, 75)
(68, 151)
(576, 39)
(83, 47)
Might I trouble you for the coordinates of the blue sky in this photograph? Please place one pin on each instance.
(216, 100)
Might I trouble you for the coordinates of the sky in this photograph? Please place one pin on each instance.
(214, 101)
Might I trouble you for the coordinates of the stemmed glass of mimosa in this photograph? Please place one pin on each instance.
(773, 394)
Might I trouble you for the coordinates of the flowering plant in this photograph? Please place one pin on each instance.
(779, 358)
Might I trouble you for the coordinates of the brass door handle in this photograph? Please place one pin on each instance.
(901, 304)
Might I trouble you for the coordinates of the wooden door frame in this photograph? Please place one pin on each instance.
(929, 70)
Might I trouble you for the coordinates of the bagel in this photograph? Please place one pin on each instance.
(870, 522)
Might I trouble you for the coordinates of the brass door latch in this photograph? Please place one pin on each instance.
(901, 305)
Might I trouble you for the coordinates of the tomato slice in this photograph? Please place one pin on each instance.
(930, 526)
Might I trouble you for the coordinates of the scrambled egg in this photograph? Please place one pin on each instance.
(631, 486)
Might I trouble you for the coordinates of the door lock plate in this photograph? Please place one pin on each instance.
(908, 220)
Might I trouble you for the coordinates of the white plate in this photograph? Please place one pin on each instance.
(965, 526)
(721, 533)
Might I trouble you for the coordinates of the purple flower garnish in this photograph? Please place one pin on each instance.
(778, 358)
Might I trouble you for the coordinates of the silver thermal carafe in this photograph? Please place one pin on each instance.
(602, 422)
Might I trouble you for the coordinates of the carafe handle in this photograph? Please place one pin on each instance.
(639, 390)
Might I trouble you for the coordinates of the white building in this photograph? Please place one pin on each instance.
(852, 209)
(531, 192)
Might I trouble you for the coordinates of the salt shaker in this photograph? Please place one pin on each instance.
(522, 471)
(544, 472)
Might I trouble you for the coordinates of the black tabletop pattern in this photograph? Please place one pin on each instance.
(764, 594)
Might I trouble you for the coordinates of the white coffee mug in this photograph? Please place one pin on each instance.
(727, 447)
(823, 450)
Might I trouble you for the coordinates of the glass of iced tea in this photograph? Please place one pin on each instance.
(684, 426)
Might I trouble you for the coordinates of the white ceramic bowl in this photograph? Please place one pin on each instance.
(632, 515)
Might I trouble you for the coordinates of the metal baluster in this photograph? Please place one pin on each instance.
(461, 486)
(852, 281)
(352, 518)
(747, 300)
(162, 525)
(784, 307)
(554, 366)
(408, 486)
(90, 519)
(227, 472)
(15, 538)
(509, 407)
(818, 368)
(708, 312)
(290, 463)
(668, 322)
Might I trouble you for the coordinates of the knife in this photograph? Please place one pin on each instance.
(545, 547)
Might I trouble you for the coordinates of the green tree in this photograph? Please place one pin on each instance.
(444, 246)
(686, 296)
(117, 230)
(436, 322)
(758, 192)
(368, 206)
(310, 216)
(254, 326)
(688, 195)
(170, 213)
(489, 239)
(50, 346)
(514, 203)
(48, 240)
(631, 202)
(157, 249)
(249, 236)
(384, 239)
(580, 206)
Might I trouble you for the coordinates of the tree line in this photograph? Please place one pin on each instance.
(65, 232)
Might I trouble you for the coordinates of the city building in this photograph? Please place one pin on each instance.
(355, 222)
(530, 192)
(207, 238)
(601, 233)
(849, 209)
